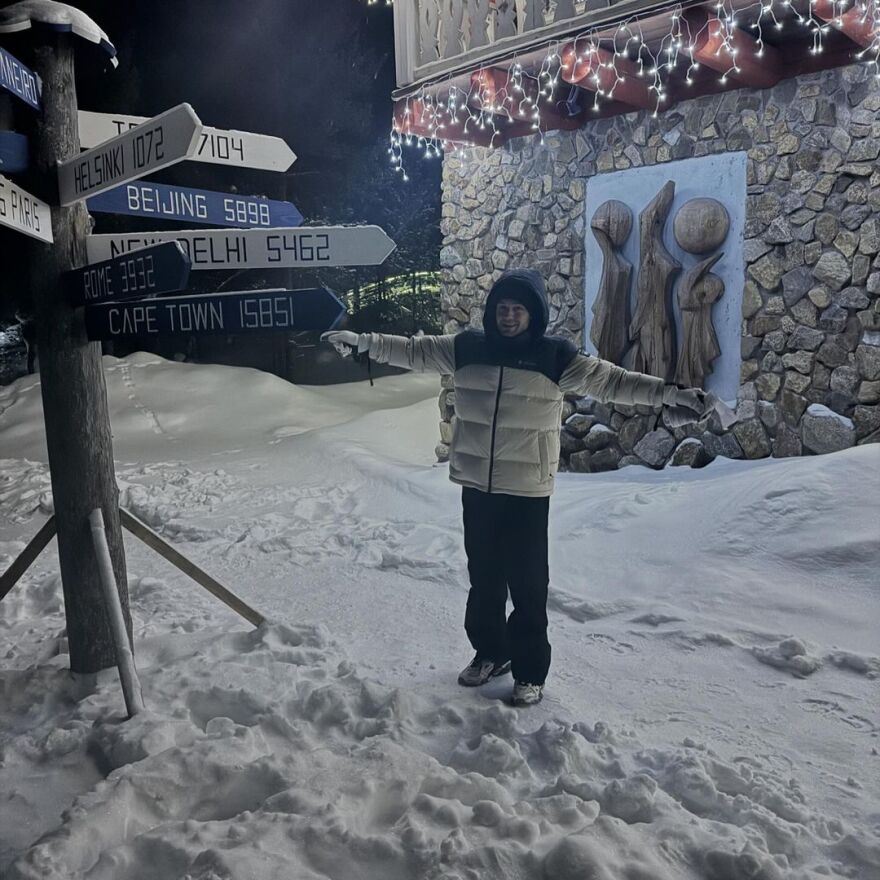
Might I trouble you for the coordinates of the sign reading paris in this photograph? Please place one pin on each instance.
(162, 141)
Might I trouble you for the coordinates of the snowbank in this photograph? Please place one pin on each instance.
(711, 711)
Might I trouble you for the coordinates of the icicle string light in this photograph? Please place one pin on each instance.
(446, 118)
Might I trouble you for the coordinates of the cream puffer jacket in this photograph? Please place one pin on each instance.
(508, 404)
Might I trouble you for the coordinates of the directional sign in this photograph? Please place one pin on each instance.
(259, 248)
(159, 269)
(159, 142)
(19, 80)
(145, 199)
(252, 311)
(21, 211)
(219, 147)
(13, 152)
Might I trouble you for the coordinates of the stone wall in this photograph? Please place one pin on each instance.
(810, 378)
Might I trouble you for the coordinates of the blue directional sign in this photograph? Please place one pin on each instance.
(159, 269)
(144, 199)
(252, 311)
(13, 152)
(19, 80)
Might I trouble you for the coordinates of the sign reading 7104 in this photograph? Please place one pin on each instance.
(259, 248)
(157, 143)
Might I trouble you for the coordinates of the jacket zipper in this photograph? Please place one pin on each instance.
(494, 426)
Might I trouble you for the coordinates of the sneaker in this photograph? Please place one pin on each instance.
(525, 694)
(480, 670)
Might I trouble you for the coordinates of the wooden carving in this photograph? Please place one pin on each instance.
(612, 224)
(701, 225)
(699, 289)
(652, 330)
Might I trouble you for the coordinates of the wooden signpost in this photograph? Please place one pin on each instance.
(19, 80)
(163, 268)
(158, 200)
(21, 211)
(159, 142)
(13, 152)
(242, 149)
(310, 246)
(252, 311)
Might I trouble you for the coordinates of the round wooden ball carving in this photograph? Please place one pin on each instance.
(701, 225)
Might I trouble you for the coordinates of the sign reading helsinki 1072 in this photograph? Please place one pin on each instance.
(259, 248)
(157, 143)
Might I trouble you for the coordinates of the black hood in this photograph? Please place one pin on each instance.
(526, 286)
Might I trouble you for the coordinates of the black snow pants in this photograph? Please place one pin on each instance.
(505, 538)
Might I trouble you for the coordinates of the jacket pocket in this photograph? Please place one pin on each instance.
(544, 452)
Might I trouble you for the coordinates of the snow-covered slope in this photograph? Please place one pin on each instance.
(711, 711)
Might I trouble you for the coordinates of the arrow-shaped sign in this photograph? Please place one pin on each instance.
(159, 142)
(19, 80)
(21, 211)
(252, 311)
(145, 199)
(13, 152)
(240, 148)
(259, 248)
(162, 268)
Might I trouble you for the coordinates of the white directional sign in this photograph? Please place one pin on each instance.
(258, 248)
(240, 148)
(21, 211)
(159, 142)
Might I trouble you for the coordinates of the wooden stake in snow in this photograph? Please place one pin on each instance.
(131, 686)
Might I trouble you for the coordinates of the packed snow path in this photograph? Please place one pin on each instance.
(711, 711)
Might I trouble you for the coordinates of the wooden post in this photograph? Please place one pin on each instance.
(131, 686)
(71, 375)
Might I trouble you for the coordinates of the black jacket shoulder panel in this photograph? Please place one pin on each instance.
(550, 355)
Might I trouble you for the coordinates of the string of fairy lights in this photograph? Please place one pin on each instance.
(441, 106)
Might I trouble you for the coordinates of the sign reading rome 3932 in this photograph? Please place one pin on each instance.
(157, 143)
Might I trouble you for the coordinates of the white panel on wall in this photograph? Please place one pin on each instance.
(722, 177)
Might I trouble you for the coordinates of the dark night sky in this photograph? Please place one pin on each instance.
(318, 73)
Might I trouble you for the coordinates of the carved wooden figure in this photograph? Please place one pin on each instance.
(652, 330)
(701, 225)
(611, 225)
(698, 291)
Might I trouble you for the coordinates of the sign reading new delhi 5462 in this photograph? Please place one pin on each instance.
(162, 141)
(259, 248)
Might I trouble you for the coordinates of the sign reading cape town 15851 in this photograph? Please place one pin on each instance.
(157, 143)
(21, 211)
(253, 311)
(259, 248)
(19, 80)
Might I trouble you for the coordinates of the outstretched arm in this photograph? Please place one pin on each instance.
(420, 353)
(612, 384)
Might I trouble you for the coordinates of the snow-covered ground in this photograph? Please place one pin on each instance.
(712, 711)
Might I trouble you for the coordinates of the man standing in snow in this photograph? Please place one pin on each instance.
(510, 381)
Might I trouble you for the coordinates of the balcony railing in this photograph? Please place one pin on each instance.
(435, 37)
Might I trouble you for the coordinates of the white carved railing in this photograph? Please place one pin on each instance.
(433, 34)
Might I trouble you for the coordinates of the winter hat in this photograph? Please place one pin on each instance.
(525, 286)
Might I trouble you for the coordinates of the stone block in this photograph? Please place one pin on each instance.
(654, 448)
(769, 414)
(606, 459)
(797, 382)
(579, 462)
(868, 361)
(768, 386)
(579, 424)
(833, 270)
(724, 445)
(805, 339)
(802, 361)
(786, 443)
(793, 406)
(752, 438)
(690, 453)
(869, 392)
(825, 431)
(866, 420)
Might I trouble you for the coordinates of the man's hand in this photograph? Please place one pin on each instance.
(346, 342)
(685, 405)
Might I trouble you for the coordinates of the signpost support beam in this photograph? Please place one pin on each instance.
(71, 376)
